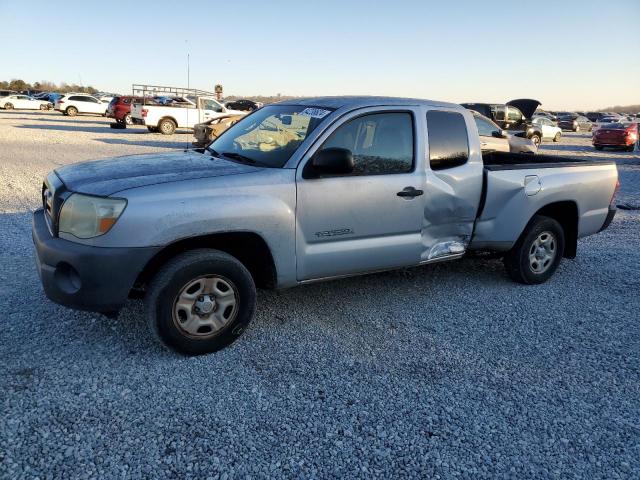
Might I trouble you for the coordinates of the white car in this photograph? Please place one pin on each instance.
(23, 102)
(549, 129)
(74, 103)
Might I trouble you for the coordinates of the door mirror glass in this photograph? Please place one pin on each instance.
(333, 161)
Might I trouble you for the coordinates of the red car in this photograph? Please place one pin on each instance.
(120, 108)
(619, 135)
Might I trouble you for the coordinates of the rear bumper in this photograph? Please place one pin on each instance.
(138, 121)
(84, 277)
(609, 219)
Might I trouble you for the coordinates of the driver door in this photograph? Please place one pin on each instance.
(358, 222)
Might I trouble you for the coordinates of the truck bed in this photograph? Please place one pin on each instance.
(517, 185)
(518, 161)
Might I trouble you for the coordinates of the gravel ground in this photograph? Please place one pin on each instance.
(446, 371)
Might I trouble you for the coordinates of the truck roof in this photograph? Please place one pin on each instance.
(365, 101)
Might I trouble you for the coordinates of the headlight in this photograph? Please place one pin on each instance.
(84, 216)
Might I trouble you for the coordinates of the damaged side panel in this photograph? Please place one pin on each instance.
(450, 210)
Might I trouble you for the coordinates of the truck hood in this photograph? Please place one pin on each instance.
(106, 177)
(526, 105)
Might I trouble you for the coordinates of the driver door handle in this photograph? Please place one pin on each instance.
(410, 192)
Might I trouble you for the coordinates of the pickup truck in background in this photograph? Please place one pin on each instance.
(165, 109)
(303, 191)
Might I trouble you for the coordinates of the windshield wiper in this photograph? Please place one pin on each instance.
(239, 157)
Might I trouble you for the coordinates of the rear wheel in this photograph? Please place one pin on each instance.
(200, 301)
(166, 126)
(127, 119)
(71, 111)
(557, 137)
(152, 129)
(43, 107)
(537, 253)
(8, 106)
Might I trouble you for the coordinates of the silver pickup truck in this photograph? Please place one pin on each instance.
(302, 191)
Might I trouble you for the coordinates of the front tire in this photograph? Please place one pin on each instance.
(71, 111)
(200, 302)
(557, 137)
(127, 119)
(8, 106)
(536, 139)
(537, 253)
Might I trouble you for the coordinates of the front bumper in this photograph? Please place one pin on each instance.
(83, 277)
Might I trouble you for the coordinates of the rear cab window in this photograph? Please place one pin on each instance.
(448, 139)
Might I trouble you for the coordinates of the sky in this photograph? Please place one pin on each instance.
(567, 54)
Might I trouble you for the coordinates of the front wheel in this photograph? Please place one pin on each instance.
(537, 253)
(43, 107)
(127, 119)
(8, 106)
(71, 111)
(536, 139)
(200, 302)
(557, 137)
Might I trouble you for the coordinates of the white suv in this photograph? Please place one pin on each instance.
(74, 103)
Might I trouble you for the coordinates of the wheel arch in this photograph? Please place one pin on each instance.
(248, 247)
(566, 214)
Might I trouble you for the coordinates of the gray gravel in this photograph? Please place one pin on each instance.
(450, 370)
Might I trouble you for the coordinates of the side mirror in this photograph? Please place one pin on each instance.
(332, 161)
(499, 134)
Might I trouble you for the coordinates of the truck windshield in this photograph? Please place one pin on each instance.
(270, 135)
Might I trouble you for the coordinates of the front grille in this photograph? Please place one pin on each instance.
(52, 193)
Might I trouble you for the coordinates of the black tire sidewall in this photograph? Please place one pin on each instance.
(517, 261)
(72, 111)
(175, 276)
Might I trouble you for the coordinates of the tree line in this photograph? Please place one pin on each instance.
(45, 86)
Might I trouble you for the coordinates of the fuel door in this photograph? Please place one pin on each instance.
(532, 185)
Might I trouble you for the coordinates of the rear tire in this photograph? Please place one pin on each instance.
(166, 126)
(71, 111)
(43, 107)
(127, 119)
(537, 253)
(191, 284)
(152, 129)
(557, 137)
(8, 106)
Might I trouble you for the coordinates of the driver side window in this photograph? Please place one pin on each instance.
(381, 143)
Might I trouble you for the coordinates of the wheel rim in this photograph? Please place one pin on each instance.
(8, 106)
(127, 119)
(205, 306)
(536, 140)
(165, 127)
(542, 252)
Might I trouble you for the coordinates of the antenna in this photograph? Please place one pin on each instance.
(188, 87)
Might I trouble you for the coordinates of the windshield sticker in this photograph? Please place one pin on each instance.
(315, 112)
